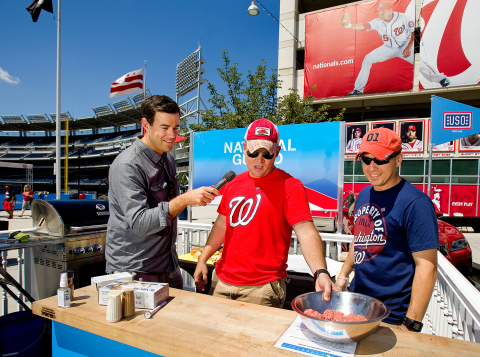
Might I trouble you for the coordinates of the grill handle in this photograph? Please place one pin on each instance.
(88, 228)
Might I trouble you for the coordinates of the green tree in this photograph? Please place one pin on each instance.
(255, 98)
(293, 109)
(244, 102)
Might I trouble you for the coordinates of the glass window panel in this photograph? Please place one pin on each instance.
(465, 167)
(347, 178)
(348, 167)
(439, 167)
(412, 167)
(439, 179)
(358, 168)
(360, 179)
(463, 179)
(414, 179)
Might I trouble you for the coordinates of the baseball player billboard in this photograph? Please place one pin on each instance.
(310, 152)
(449, 43)
(388, 125)
(353, 137)
(369, 49)
(412, 134)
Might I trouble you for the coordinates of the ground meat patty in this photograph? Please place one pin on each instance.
(333, 315)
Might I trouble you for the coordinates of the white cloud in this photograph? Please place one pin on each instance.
(4, 76)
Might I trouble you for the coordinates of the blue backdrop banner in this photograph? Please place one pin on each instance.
(452, 120)
(310, 152)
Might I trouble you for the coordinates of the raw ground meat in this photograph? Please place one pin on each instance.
(333, 315)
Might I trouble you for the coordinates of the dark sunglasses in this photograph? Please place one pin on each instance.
(266, 155)
(367, 161)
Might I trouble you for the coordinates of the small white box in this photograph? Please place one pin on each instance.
(147, 295)
(102, 280)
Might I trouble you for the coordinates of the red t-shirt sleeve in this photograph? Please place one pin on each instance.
(296, 209)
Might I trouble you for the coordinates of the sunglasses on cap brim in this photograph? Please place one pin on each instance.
(367, 160)
(266, 155)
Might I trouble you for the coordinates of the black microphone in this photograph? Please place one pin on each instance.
(229, 176)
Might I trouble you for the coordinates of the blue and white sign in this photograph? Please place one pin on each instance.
(310, 152)
(452, 120)
(458, 120)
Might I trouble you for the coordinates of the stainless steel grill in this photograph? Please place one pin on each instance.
(78, 229)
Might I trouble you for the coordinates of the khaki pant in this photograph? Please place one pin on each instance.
(270, 294)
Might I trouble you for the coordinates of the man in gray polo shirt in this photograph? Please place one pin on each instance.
(144, 201)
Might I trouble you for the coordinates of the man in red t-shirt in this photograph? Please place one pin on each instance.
(258, 211)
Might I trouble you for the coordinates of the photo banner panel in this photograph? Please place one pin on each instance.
(449, 43)
(310, 152)
(366, 57)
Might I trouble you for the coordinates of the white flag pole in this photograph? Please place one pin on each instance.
(430, 144)
(58, 171)
(144, 79)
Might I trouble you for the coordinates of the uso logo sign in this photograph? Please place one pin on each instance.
(457, 120)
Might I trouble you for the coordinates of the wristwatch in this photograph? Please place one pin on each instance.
(320, 271)
(412, 324)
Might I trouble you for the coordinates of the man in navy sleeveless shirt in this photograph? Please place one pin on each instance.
(394, 252)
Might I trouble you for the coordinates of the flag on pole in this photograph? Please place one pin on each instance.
(132, 82)
(452, 120)
(36, 7)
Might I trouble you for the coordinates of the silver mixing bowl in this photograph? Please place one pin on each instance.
(348, 303)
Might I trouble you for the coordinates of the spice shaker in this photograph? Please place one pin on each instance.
(63, 292)
(128, 302)
(114, 306)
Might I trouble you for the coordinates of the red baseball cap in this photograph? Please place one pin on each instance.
(412, 127)
(358, 129)
(381, 143)
(262, 133)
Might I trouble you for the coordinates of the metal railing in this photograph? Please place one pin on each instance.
(454, 309)
(18, 272)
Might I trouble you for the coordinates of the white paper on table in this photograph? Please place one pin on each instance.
(298, 264)
(300, 339)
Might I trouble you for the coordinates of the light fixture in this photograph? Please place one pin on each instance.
(253, 9)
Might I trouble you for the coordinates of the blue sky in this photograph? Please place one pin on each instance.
(104, 39)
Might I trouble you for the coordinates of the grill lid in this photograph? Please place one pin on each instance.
(64, 217)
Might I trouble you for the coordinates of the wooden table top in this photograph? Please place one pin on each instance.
(194, 324)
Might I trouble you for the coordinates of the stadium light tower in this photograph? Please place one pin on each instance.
(188, 79)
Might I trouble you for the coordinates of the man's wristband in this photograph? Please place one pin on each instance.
(412, 324)
(321, 271)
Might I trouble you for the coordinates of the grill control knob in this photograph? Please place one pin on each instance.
(78, 250)
(96, 247)
(88, 249)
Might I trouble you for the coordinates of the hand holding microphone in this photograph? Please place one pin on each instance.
(204, 195)
(229, 176)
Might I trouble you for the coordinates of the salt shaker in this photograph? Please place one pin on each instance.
(114, 306)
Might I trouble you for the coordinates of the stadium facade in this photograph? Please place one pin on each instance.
(347, 65)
